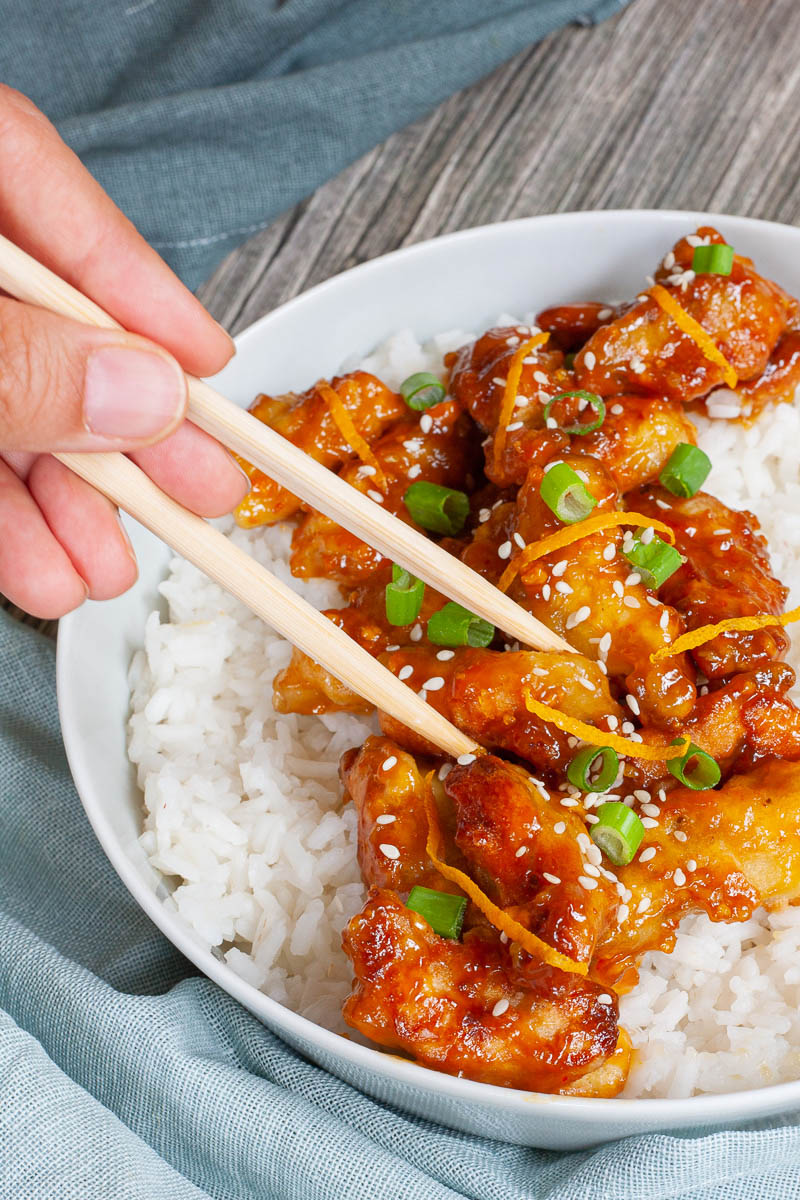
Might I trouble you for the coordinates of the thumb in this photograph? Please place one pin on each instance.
(66, 386)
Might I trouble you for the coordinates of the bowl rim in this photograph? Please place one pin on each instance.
(626, 1113)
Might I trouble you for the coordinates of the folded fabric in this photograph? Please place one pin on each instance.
(205, 120)
(124, 1074)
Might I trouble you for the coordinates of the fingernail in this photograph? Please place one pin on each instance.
(131, 393)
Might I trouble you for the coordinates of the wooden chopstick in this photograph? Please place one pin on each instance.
(28, 280)
(297, 620)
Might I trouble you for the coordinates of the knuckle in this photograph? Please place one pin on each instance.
(31, 377)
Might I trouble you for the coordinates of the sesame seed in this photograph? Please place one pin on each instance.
(512, 341)
(416, 633)
(591, 818)
(583, 841)
(376, 496)
(504, 938)
(576, 916)
(679, 877)
(520, 540)
(669, 261)
(522, 850)
(514, 426)
(650, 810)
(633, 704)
(604, 999)
(551, 878)
(593, 854)
(690, 531)
(609, 552)
(568, 803)
(664, 621)
(504, 551)
(633, 579)
(559, 827)
(546, 592)
(725, 545)
(434, 683)
(586, 883)
(649, 823)
(612, 721)
(587, 683)
(426, 422)
(564, 588)
(602, 666)
(405, 671)
(618, 588)
(499, 381)
(643, 905)
(390, 851)
(366, 469)
(444, 771)
(647, 854)
(591, 869)
(389, 762)
(628, 727)
(604, 645)
(589, 360)
(631, 602)
(551, 423)
(386, 819)
(622, 913)
(578, 617)
(445, 655)
(604, 314)
(414, 471)
(691, 865)
(464, 760)
(500, 1007)
(391, 649)
(642, 795)
(680, 836)
(484, 514)
(616, 409)
(560, 567)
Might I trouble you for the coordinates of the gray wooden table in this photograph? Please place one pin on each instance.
(671, 104)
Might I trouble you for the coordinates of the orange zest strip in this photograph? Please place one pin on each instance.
(573, 533)
(510, 392)
(704, 633)
(600, 737)
(344, 423)
(497, 916)
(695, 331)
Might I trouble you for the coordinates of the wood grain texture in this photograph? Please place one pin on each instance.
(670, 104)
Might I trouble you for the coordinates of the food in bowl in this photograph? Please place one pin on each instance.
(560, 461)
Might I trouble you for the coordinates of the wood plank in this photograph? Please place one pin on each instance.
(667, 105)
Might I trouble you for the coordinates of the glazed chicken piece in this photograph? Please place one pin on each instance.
(722, 852)
(570, 325)
(483, 693)
(305, 420)
(469, 1007)
(643, 350)
(726, 574)
(585, 592)
(741, 723)
(778, 382)
(636, 439)
(446, 451)
(478, 375)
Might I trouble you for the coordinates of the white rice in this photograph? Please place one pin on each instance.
(243, 811)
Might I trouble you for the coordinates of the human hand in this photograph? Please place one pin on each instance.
(66, 386)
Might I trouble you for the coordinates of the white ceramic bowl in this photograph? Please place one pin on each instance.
(463, 280)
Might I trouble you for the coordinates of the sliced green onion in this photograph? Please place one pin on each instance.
(712, 260)
(440, 509)
(618, 832)
(654, 561)
(686, 470)
(443, 912)
(457, 626)
(403, 597)
(580, 770)
(565, 493)
(704, 772)
(590, 398)
(422, 391)
(569, 359)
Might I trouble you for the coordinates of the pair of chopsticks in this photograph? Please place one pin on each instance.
(118, 478)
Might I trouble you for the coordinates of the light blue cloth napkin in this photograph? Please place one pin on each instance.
(206, 118)
(125, 1075)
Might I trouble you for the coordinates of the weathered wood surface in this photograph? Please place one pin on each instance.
(671, 104)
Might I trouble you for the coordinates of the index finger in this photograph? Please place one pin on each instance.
(55, 210)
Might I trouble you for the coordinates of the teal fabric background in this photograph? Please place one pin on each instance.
(206, 118)
(126, 1076)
